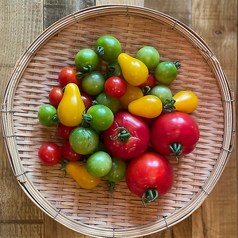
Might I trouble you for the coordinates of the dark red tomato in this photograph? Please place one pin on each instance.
(68, 153)
(64, 131)
(49, 154)
(68, 75)
(151, 81)
(115, 87)
(55, 96)
(127, 137)
(174, 133)
(87, 100)
(149, 176)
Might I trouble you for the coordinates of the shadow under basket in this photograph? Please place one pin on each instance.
(96, 212)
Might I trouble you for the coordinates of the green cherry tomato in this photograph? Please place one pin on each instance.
(149, 56)
(99, 117)
(93, 83)
(114, 69)
(99, 164)
(47, 115)
(162, 92)
(86, 60)
(108, 101)
(108, 48)
(118, 170)
(83, 140)
(166, 72)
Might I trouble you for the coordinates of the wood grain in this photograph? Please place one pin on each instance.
(215, 21)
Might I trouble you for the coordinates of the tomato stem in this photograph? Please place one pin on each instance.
(79, 75)
(86, 120)
(110, 185)
(177, 64)
(64, 162)
(175, 149)
(100, 50)
(122, 136)
(149, 195)
(111, 69)
(146, 90)
(55, 118)
(169, 104)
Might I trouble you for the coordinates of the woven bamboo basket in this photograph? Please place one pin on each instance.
(96, 212)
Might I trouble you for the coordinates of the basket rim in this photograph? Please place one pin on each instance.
(18, 169)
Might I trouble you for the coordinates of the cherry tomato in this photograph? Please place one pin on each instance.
(47, 115)
(49, 154)
(99, 164)
(87, 100)
(128, 136)
(68, 153)
(55, 96)
(150, 82)
(174, 133)
(115, 87)
(149, 176)
(149, 56)
(68, 75)
(64, 131)
(114, 69)
(163, 92)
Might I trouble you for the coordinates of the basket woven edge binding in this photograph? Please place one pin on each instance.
(10, 141)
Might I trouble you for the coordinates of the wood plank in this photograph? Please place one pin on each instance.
(179, 10)
(215, 21)
(21, 22)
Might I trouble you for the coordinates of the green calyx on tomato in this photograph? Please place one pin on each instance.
(150, 195)
(176, 149)
(114, 69)
(108, 48)
(169, 104)
(122, 136)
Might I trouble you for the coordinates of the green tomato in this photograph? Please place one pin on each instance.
(100, 147)
(166, 72)
(93, 83)
(86, 60)
(162, 92)
(108, 48)
(83, 140)
(99, 117)
(47, 115)
(118, 170)
(108, 101)
(114, 69)
(99, 164)
(149, 56)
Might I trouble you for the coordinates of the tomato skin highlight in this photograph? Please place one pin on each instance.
(138, 140)
(149, 170)
(174, 127)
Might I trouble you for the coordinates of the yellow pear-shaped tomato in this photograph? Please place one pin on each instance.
(185, 101)
(135, 72)
(148, 106)
(71, 106)
(78, 171)
(132, 93)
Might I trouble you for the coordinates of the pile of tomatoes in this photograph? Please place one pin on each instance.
(121, 123)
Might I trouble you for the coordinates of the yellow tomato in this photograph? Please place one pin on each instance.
(185, 101)
(77, 170)
(132, 93)
(135, 72)
(71, 106)
(148, 106)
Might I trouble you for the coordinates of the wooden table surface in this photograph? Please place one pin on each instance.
(22, 21)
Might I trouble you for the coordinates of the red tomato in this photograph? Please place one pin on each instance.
(127, 137)
(115, 87)
(68, 75)
(151, 81)
(55, 96)
(49, 154)
(87, 100)
(149, 174)
(64, 131)
(174, 133)
(68, 153)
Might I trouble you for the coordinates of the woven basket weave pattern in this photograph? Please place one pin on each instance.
(97, 207)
